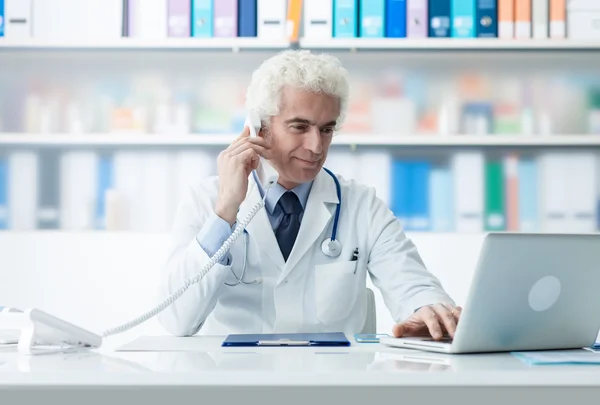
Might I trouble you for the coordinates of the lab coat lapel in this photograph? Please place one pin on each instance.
(259, 229)
(320, 207)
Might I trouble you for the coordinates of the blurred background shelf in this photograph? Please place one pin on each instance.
(239, 43)
(115, 139)
(129, 44)
(120, 139)
(434, 44)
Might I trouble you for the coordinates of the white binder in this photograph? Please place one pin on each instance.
(148, 19)
(79, 20)
(22, 190)
(271, 16)
(468, 170)
(582, 193)
(554, 198)
(17, 19)
(318, 19)
(78, 188)
(540, 18)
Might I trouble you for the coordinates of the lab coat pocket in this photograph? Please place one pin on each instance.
(335, 290)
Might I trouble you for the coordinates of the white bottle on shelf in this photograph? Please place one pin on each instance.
(527, 122)
(115, 211)
(448, 116)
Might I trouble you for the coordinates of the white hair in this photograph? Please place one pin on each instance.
(296, 69)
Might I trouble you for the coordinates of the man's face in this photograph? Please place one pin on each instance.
(301, 134)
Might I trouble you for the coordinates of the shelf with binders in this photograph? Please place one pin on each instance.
(465, 190)
(451, 44)
(133, 44)
(338, 44)
(360, 24)
(475, 190)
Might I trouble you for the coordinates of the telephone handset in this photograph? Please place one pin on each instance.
(266, 174)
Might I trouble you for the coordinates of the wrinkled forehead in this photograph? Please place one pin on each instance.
(316, 108)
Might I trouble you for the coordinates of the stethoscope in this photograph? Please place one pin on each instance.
(330, 247)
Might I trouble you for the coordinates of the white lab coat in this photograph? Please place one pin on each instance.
(310, 292)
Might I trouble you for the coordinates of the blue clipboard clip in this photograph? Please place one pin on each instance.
(284, 342)
(369, 337)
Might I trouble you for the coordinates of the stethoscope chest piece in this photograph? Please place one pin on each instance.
(331, 248)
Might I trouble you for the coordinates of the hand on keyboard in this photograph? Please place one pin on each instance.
(436, 320)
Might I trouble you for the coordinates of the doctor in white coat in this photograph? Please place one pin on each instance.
(276, 278)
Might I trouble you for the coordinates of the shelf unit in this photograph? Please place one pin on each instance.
(395, 50)
(434, 44)
(237, 44)
(233, 44)
(123, 139)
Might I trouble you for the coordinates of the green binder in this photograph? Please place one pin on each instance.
(495, 212)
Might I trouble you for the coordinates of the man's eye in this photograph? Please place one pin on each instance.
(327, 131)
(298, 127)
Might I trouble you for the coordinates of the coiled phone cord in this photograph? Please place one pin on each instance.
(199, 276)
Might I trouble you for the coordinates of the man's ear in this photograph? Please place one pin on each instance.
(265, 127)
(263, 132)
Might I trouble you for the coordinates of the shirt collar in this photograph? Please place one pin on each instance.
(302, 191)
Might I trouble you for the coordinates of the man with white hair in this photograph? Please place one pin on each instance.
(281, 275)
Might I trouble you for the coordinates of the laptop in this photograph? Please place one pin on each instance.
(529, 292)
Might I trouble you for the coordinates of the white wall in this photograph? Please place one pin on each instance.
(100, 279)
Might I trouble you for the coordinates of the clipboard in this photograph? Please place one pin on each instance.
(286, 339)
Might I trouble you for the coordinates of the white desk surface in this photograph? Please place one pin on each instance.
(200, 363)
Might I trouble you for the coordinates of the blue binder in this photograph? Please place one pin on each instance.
(440, 18)
(463, 18)
(487, 19)
(202, 18)
(247, 10)
(344, 18)
(287, 339)
(528, 195)
(1, 18)
(105, 182)
(395, 21)
(418, 200)
(372, 18)
(400, 187)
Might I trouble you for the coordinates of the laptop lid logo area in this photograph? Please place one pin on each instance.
(544, 293)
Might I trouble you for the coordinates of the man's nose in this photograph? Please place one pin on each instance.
(313, 140)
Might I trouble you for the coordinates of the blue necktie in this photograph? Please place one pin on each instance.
(290, 224)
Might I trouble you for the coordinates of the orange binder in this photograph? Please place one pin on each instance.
(558, 18)
(293, 19)
(522, 18)
(506, 18)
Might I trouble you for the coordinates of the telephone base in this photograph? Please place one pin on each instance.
(42, 333)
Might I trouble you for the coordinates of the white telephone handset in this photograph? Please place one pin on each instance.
(41, 328)
(266, 174)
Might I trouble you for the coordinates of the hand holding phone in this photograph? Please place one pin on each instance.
(234, 166)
